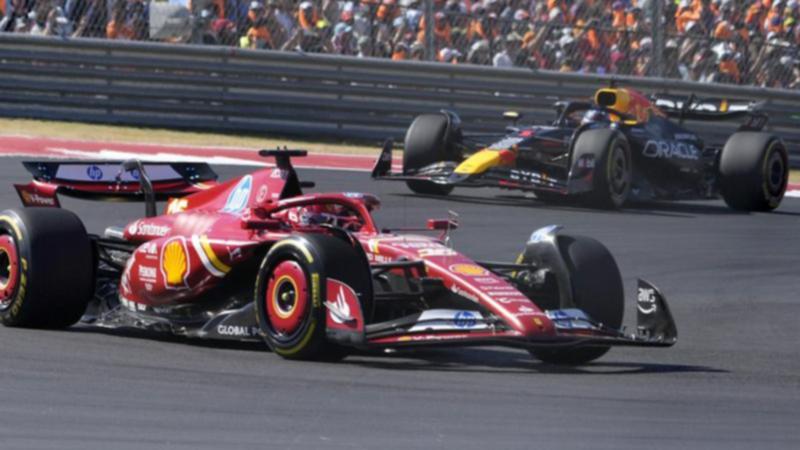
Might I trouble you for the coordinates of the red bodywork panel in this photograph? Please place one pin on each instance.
(203, 236)
(462, 276)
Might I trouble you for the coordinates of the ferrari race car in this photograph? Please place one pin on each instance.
(620, 147)
(313, 276)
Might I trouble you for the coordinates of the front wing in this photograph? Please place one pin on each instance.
(499, 177)
(570, 328)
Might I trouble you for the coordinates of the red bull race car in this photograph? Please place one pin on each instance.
(620, 147)
(312, 276)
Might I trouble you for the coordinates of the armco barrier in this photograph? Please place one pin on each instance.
(235, 90)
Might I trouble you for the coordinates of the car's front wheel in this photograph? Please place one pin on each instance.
(428, 140)
(596, 287)
(291, 292)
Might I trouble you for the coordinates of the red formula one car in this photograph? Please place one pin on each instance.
(311, 275)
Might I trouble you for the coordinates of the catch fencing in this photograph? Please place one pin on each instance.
(315, 95)
(745, 42)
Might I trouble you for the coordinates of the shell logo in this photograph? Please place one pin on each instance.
(175, 263)
(472, 270)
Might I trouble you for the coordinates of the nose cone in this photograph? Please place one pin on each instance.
(479, 162)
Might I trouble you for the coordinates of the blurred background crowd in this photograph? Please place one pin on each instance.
(752, 42)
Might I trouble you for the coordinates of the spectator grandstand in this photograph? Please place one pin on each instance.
(750, 42)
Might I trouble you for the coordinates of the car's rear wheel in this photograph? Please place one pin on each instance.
(753, 171)
(428, 140)
(291, 291)
(597, 289)
(46, 268)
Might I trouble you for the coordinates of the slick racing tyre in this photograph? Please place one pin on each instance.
(428, 140)
(291, 291)
(46, 268)
(753, 171)
(597, 290)
(613, 169)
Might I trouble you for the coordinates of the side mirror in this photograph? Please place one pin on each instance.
(442, 224)
(512, 116)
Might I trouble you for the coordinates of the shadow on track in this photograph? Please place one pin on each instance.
(786, 213)
(165, 337)
(473, 360)
(476, 360)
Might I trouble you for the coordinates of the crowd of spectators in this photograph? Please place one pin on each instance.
(730, 41)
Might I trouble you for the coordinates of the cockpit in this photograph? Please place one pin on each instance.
(610, 105)
(349, 211)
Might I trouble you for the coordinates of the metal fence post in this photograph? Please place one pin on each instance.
(430, 48)
(657, 21)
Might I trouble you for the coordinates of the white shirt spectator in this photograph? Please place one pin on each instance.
(502, 59)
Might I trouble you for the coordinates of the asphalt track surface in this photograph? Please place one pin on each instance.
(732, 381)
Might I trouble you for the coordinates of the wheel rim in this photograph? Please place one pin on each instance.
(287, 300)
(775, 173)
(618, 173)
(9, 270)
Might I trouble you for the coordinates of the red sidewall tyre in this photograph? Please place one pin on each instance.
(287, 298)
(9, 270)
(290, 293)
(49, 266)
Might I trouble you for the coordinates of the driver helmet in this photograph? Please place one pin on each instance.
(595, 115)
(313, 215)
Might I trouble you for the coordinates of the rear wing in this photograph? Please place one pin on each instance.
(110, 181)
(711, 109)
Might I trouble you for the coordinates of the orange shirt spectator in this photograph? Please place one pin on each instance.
(724, 31)
(307, 16)
(553, 4)
(119, 31)
(400, 52)
(119, 27)
(618, 14)
(755, 14)
(259, 37)
(729, 67)
(689, 13)
(774, 21)
(441, 30)
(683, 15)
(483, 28)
